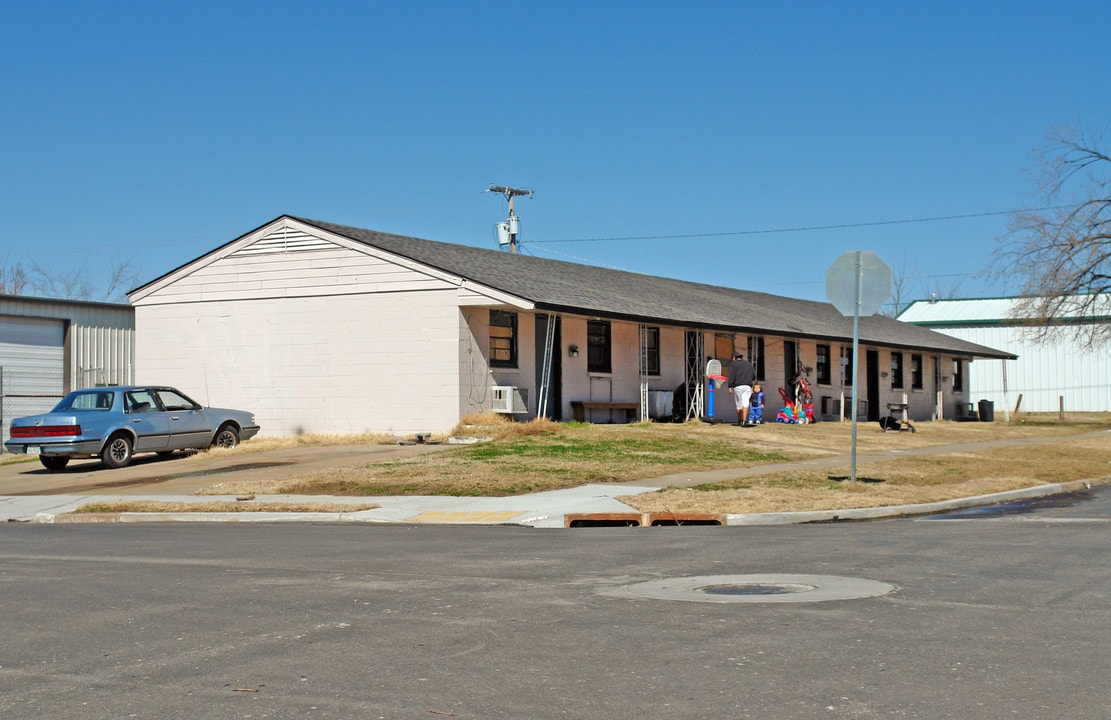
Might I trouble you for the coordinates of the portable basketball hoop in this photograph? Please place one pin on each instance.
(713, 376)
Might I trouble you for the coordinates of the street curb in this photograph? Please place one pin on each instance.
(888, 511)
(73, 518)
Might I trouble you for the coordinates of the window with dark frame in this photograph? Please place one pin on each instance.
(822, 365)
(756, 355)
(503, 338)
(650, 360)
(598, 350)
(897, 371)
(916, 372)
(958, 375)
(847, 366)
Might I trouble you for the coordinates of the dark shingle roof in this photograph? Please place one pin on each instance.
(561, 286)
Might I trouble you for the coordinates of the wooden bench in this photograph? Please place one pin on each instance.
(579, 408)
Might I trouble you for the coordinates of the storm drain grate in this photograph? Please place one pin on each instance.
(759, 588)
(601, 520)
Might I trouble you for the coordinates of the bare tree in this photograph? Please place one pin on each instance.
(13, 278)
(1062, 252)
(100, 280)
(125, 273)
(902, 285)
(950, 289)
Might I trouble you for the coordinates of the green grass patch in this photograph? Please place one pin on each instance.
(664, 451)
(576, 455)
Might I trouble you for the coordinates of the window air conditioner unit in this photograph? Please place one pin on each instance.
(509, 399)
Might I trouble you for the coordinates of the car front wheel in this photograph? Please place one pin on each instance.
(53, 462)
(117, 453)
(226, 437)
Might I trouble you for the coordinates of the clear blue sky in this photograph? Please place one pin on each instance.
(159, 131)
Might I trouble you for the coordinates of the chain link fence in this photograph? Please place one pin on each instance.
(26, 391)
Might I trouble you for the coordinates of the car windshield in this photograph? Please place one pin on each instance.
(86, 400)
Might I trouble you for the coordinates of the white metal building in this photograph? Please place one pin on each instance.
(49, 347)
(1049, 376)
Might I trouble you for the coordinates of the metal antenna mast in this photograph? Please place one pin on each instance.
(510, 227)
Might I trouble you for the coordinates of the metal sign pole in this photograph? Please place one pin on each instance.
(857, 284)
(856, 357)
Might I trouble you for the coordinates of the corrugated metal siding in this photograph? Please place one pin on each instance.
(101, 356)
(100, 341)
(82, 313)
(32, 363)
(1043, 373)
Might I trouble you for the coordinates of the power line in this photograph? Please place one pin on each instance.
(810, 228)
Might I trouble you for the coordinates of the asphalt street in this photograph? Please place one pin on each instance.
(986, 616)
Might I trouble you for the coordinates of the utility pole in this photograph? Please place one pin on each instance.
(512, 225)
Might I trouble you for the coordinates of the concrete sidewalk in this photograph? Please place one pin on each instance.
(586, 505)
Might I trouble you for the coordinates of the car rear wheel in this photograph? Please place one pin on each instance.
(53, 462)
(226, 437)
(117, 453)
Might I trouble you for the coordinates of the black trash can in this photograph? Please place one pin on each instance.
(987, 411)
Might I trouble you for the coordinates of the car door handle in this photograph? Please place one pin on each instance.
(136, 420)
(173, 417)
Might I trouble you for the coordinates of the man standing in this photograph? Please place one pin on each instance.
(741, 377)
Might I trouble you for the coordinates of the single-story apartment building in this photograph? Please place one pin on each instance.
(1057, 372)
(50, 346)
(319, 327)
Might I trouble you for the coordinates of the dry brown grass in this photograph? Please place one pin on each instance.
(532, 457)
(541, 455)
(265, 443)
(491, 425)
(497, 426)
(907, 481)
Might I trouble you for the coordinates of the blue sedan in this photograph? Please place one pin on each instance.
(114, 423)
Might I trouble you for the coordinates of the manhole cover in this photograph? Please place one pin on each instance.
(760, 588)
(755, 589)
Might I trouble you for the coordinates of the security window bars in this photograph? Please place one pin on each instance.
(650, 359)
(598, 348)
(756, 355)
(915, 372)
(846, 366)
(822, 366)
(503, 339)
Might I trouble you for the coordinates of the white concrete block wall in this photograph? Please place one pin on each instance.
(673, 360)
(576, 379)
(341, 364)
(475, 377)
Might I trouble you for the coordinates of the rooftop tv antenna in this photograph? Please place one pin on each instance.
(509, 229)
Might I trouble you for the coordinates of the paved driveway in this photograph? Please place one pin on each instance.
(183, 473)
